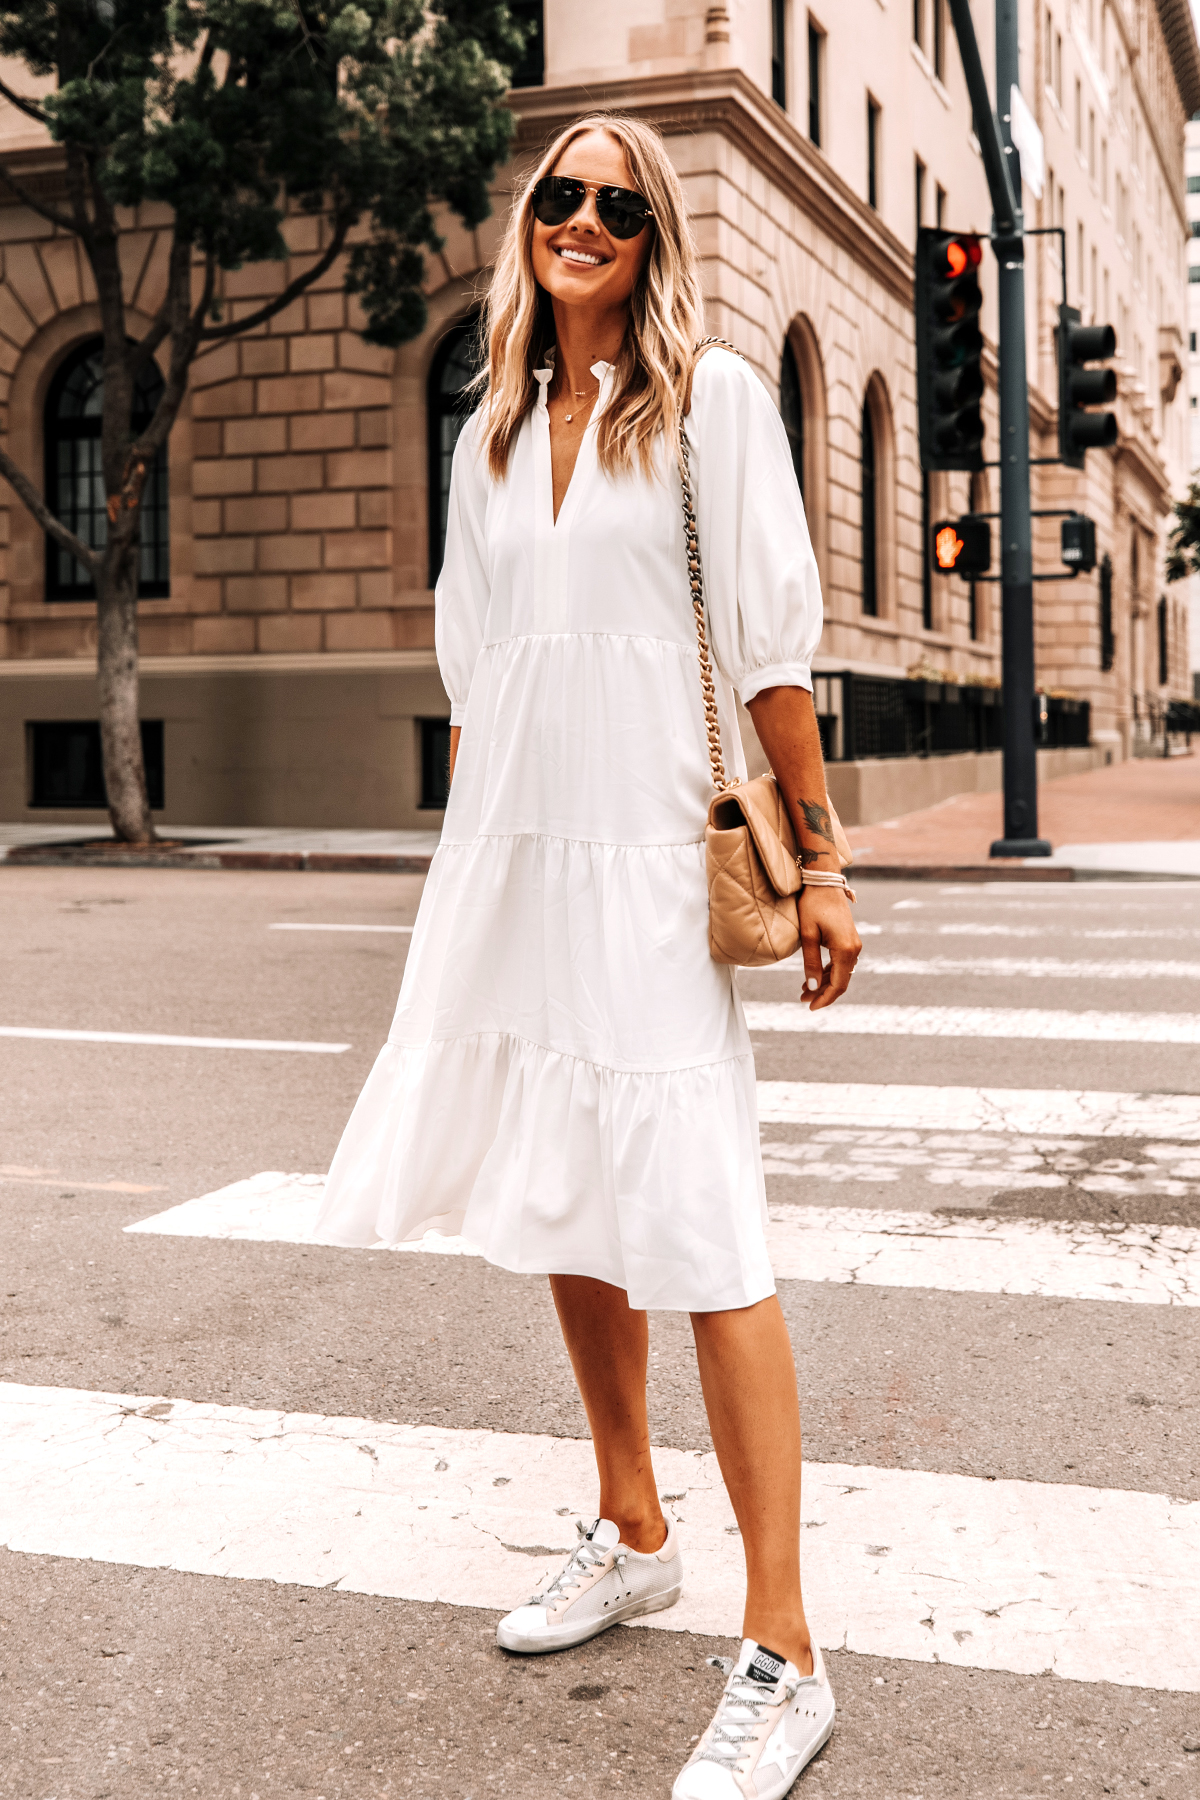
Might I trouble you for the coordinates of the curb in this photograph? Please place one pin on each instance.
(46, 856)
(349, 862)
(1023, 871)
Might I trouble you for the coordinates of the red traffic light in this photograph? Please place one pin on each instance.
(960, 255)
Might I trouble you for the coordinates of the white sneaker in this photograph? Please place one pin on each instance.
(771, 1722)
(604, 1582)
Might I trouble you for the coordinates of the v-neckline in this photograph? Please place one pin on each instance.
(543, 377)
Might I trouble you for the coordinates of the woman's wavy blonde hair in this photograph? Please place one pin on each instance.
(666, 313)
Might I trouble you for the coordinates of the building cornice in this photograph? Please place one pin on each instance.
(1179, 33)
(1149, 470)
(727, 101)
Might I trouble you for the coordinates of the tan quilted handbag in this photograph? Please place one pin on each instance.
(754, 877)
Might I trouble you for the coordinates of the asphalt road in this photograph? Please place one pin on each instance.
(126, 1681)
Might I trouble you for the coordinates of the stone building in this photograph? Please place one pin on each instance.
(287, 618)
(1193, 211)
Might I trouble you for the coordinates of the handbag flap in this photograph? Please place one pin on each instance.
(759, 806)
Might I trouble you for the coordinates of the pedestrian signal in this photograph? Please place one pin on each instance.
(963, 546)
(949, 349)
(1078, 541)
(1080, 387)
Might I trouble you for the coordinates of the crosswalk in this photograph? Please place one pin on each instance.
(1082, 1195)
(1068, 1259)
(990, 1575)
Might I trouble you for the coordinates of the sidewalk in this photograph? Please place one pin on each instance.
(222, 847)
(1133, 818)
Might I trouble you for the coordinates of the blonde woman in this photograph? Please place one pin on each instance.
(569, 1082)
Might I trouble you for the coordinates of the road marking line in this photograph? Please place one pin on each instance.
(185, 1043)
(404, 929)
(1072, 1260)
(91, 1187)
(1032, 967)
(1090, 1583)
(995, 1022)
(1052, 1112)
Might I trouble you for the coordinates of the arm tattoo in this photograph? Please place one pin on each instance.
(809, 857)
(817, 819)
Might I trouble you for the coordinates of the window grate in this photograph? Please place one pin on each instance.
(435, 764)
(66, 764)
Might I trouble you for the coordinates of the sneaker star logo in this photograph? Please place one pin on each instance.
(778, 1753)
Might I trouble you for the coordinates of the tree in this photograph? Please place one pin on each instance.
(232, 112)
(1183, 540)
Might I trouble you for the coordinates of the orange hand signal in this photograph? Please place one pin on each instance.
(948, 547)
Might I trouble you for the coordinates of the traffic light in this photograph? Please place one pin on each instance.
(963, 546)
(949, 349)
(1079, 386)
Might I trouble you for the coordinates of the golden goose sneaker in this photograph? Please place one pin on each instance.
(603, 1582)
(771, 1722)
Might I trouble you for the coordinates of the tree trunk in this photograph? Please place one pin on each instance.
(120, 730)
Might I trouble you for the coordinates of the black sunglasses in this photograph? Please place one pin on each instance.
(621, 211)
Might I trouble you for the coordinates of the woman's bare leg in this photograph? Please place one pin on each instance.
(749, 1383)
(606, 1340)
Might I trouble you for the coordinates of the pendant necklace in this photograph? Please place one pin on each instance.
(580, 394)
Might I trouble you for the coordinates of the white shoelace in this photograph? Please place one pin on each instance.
(583, 1558)
(725, 1747)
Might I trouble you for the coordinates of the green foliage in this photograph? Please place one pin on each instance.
(1183, 541)
(233, 111)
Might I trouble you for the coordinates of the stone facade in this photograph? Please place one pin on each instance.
(300, 468)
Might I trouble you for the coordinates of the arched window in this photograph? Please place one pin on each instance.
(456, 362)
(870, 546)
(75, 476)
(791, 408)
(804, 410)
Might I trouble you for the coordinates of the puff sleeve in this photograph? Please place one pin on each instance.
(760, 575)
(464, 585)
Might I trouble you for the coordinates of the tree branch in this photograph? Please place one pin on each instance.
(184, 328)
(45, 518)
(291, 292)
(30, 108)
(35, 205)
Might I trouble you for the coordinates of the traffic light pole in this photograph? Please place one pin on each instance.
(1016, 532)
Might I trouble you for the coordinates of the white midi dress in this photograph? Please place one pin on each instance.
(568, 1082)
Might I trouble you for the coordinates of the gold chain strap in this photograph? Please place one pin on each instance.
(696, 580)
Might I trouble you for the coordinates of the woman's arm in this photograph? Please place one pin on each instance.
(786, 723)
(455, 734)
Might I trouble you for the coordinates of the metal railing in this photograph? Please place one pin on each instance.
(876, 716)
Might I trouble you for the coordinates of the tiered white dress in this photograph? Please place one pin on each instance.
(568, 1082)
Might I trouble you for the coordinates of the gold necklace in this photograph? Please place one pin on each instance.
(580, 394)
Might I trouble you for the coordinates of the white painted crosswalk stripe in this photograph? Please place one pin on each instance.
(851, 1020)
(1054, 1112)
(161, 1038)
(1034, 968)
(1037, 968)
(1093, 1584)
(401, 930)
(1151, 1265)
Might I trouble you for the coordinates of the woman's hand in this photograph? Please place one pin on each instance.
(825, 918)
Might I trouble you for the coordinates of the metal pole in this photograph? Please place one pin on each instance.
(1016, 536)
(1016, 548)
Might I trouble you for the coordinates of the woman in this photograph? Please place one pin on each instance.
(569, 1082)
